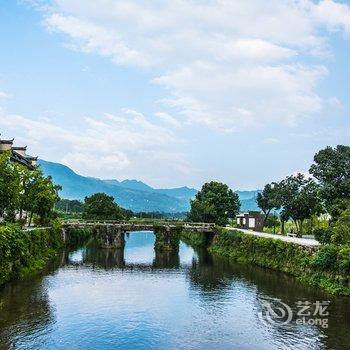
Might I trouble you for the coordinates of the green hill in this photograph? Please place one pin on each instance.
(130, 194)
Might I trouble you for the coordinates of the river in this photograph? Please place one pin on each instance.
(92, 298)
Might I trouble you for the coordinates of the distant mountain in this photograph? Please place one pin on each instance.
(75, 186)
(185, 193)
(131, 194)
(243, 195)
(248, 200)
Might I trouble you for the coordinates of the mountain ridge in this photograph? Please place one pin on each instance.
(130, 193)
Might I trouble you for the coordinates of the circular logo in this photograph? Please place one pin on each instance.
(275, 312)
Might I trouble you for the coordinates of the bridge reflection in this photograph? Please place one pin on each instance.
(115, 258)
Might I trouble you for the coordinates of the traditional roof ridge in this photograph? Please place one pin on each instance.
(31, 157)
(17, 157)
(7, 141)
(19, 148)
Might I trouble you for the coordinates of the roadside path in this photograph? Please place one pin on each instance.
(296, 240)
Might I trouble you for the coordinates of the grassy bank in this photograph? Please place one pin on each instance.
(25, 252)
(327, 267)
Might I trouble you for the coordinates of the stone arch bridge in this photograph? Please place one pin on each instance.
(111, 234)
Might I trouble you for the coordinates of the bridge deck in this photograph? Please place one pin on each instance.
(131, 226)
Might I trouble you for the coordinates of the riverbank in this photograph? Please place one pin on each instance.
(324, 266)
(24, 252)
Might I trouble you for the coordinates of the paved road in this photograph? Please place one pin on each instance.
(296, 240)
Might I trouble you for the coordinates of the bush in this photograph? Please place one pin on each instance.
(25, 251)
(326, 259)
(344, 259)
(341, 229)
(323, 235)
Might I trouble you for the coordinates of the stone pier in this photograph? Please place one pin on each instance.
(111, 237)
(167, 238)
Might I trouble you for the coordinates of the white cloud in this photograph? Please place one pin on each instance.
(215, 59)
(4, 94)
(336, 16)
(168, 119)
(115, 146)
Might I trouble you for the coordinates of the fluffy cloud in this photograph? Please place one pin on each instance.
(114, 146)
(224, 64)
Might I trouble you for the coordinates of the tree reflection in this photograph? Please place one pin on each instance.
(24, 309)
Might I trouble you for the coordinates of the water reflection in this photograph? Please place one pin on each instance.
(136, 297)
(24, 309)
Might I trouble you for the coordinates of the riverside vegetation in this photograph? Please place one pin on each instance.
(24, 252)
(28, 195)
(299, 201)
(327, 266)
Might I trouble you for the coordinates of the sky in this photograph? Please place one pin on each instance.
(176, 92)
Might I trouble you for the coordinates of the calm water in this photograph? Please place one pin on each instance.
(100, 299)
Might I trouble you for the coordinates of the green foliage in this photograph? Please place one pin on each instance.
(344, 259)
(215, 203)
(78, 236)
(22, 189)
(100, 206)
(39, 195)
(272, 221)
(300, 199)
(327, 267)
(332, 169)
(195, 239)
(323, 235)
(9, 187)
(326, 259)
(22, 252)
(341, 229)
(269, 199)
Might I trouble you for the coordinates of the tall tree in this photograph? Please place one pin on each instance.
(268, 199)
(100, 206)
(9, 186)
(39, 195)
(215, 202)
(331, 168)
(300, 199)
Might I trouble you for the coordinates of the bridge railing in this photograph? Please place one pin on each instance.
(139, 222)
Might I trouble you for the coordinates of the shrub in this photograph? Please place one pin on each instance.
(22, 251)
(326, 259)
(341, 229)
(323, 235)
(344, 259)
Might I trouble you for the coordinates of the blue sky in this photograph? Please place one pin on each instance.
(176, 92)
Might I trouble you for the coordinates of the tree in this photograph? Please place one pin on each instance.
(268, 199)
(9, 186)
(332, 169)
(215, 202)
(300, 199)
(100, 206)
(39, 195)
